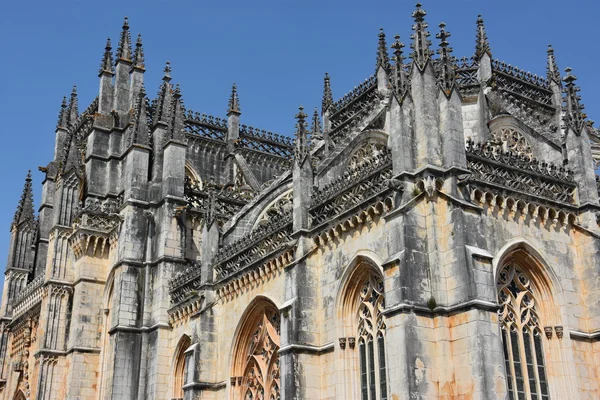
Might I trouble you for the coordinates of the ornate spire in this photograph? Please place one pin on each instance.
(177, 114)
(482, 45)
(315, 128)
(138, 56)
(62, 115)
(551, 68)
(301, 150)
(140, 133)
(574, 117)
(25, 208)
(383, 59)
(162, 103)
(446, 74)
(107, 64)
(73, 108)
(124, 50)
(327, 95)
(398, 78)
(234, 101)
(420, 45)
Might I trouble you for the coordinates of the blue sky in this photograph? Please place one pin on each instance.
(276, 51)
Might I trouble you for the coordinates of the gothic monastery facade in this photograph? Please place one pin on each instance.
(433, 234)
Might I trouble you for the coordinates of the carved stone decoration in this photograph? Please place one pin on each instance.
(559, 331)
(365, 153)
(351, 342)
(343, 343)
(279, 207)
(261, 372)
(548, 332)
(513, 141)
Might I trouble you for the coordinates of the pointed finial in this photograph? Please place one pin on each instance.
(124, 49)
(62, 115)
(383, 59)
(167, 71)
(315, 129)
(25, 207)
(301, 150)
(107, 64)
(140, 133)
(482, 45)
(327, 95)
(552, 71)
(138, 56)
(446, 73)
(398, 78)
(234, 101)
(574, 117)
(73, 108)
(420, 45)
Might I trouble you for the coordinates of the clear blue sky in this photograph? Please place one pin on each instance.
(276, 51)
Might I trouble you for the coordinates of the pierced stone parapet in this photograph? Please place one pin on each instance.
(467, 77)
(212, 202)
(349, 116)
(520, 74)
(185, 283)
(266, 241)
(267, 142)
(354, 94)
(181, 313)
(29, 297)
(205, 125)
(94, 232)
(491, 165)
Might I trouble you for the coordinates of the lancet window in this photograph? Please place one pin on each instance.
(69, 200)
(259, 361)
(179, 368)
(521, 336)
(371, 340)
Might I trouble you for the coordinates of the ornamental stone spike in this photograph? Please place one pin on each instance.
(73, 108)
(177, 115)
(327, 95)
(573, 109)
(315, 128)
(446, 72)
(107, 63)
(398, 59)
(234, 101)
(25, 207)
(383, 58)
(138, 56)
(420, 45)
(62, 115)
(552, 71)
(163, 100)
(141, 132)
(124, 49)
(482, 45)
(167, 72)
(301, 149)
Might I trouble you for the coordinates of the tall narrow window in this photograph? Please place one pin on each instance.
(371, 340)
(179, 367)
(261, 371)
(521, 336)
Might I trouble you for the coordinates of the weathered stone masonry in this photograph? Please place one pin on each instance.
(433, 234)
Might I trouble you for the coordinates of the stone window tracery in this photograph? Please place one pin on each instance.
(514, 141)
(371, 340)
(365, 153)
(259, 378)
(521, 336)
(279, 207)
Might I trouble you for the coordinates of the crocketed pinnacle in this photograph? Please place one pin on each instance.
(138, 56)
(420, 45)
(446, 73)
(140, 132)
(383, 58)
(234, 101)
(574, 117)
(301, 150)
(177, 114)
(482, 46)
(315, 129)
(73, 108)
(107, 63)
(398, 78)
(25, 207)
(62, 115)
(552, 71)
(327, 95)
(124, 50)
(162, 103)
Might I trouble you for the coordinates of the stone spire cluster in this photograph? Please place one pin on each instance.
(234, 101)
(302, 146)
(399, 80)
(383, 58)
(446, 72)
(138, 56)
(552, 71)
(327, 95)
(124, 49)
(107, 62)
(25, 210)
(574, 117)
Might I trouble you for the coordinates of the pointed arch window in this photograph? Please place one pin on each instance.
(179, 367)
(521, 336)
(371, 340)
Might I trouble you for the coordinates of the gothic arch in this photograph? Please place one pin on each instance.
(361, 325)
(193, 176)
(19, 395)
(178, 362)
(255, 358)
